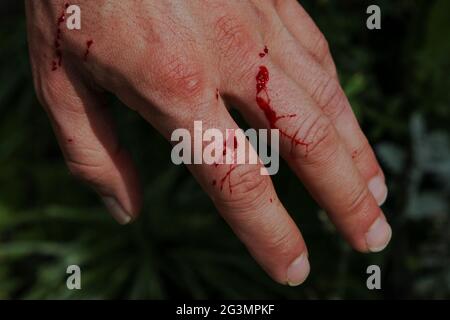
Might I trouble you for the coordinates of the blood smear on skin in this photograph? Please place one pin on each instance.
(57, 62)
(264, 103)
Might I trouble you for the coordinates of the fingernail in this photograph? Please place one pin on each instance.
(379, 235)
(116, 210)
(379, 190)
(298, 271)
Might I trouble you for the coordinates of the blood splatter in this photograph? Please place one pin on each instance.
(70, 140)
(264, 53)
(270, 200)
(88, 46)
(264, 103)
(57, 62)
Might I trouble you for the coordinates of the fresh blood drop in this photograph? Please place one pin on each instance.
(264, 53)
(264, 103)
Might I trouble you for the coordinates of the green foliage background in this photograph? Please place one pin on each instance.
(398, 82)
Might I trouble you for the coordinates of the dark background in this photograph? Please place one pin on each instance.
(397, 80)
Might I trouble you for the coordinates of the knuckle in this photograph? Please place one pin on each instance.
(329, 96)
(359, 198)
(90, 165)
(248, 188)
(45, 92)
(321, 139)
(88, 172)
(321, 48)
(181, 79)
(231, 34)
(234, 40)
(362, 151)
(279, 4)
(282, 240)
(43, 95)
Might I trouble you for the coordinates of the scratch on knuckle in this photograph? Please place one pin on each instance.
(231, 34)
(182, 79)
(235, 42)
(249, 186)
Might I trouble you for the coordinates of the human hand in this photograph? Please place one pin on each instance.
(175, 62)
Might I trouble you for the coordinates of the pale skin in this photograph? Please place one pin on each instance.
(167, 60)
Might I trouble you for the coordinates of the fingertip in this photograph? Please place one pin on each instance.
(298, 270)
(378, 188)
(116, 210)
(379, 235)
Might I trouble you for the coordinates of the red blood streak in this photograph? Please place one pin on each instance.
(88, 46)
(270, 200)
(70, 140)
(217, 94)
(227, 175)
(261, 79)
(232, 165)
(57, 43)
(264, 53)
(264, 103)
